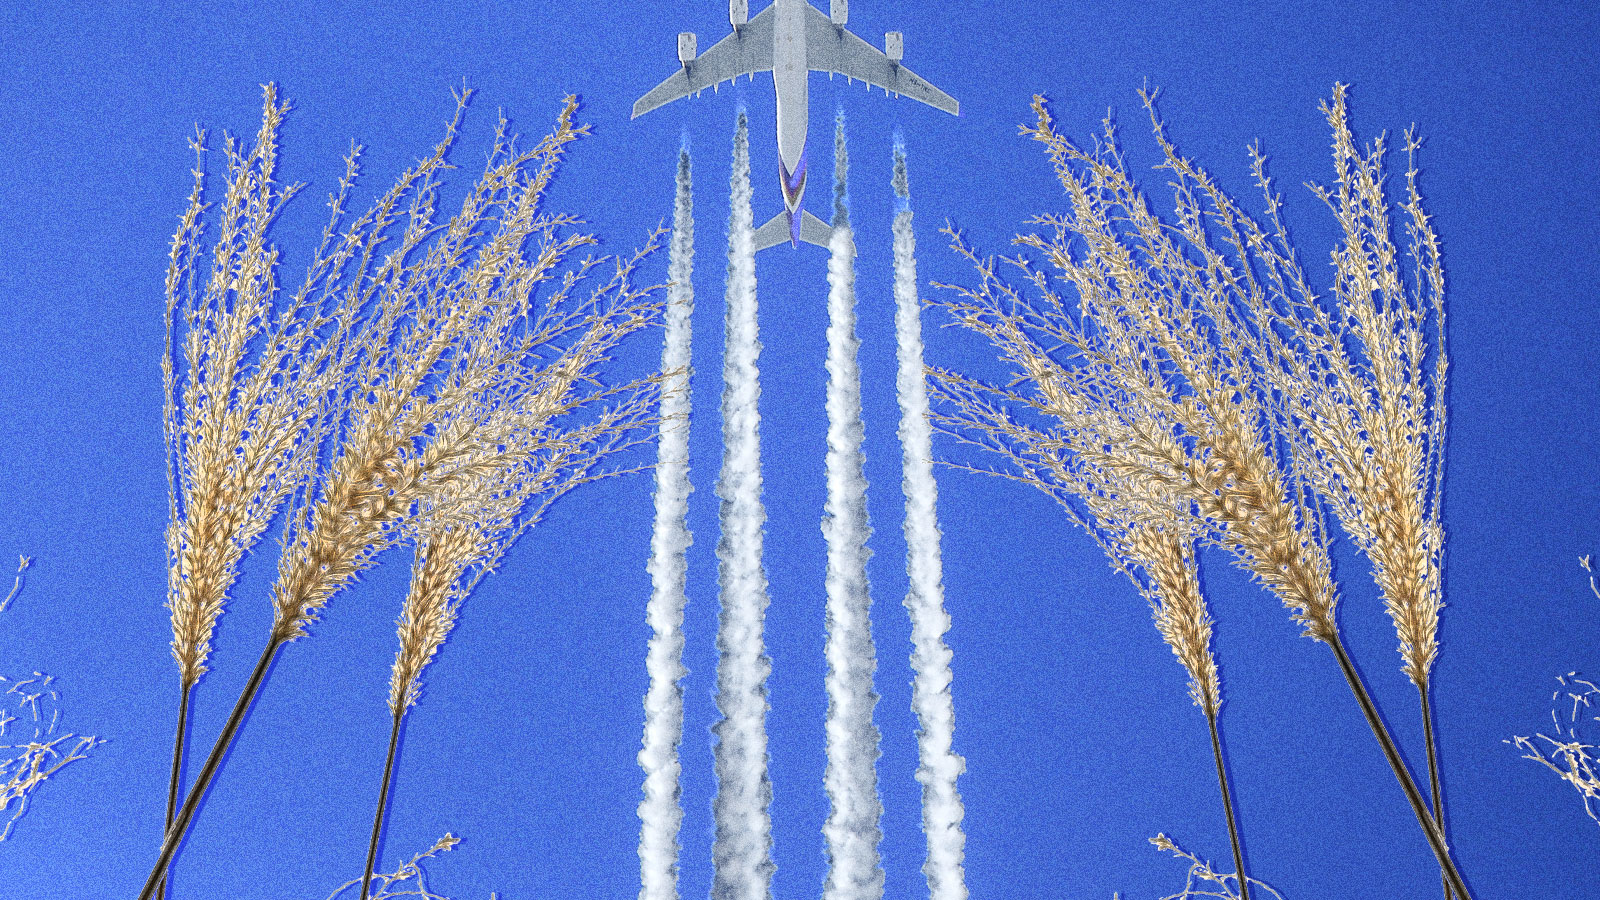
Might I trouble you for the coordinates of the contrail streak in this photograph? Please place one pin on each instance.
(930, 657)
(852, 832)
(741, 851)
(660, 814)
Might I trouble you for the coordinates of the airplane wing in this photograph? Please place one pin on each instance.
(830, 48)
(744, 52)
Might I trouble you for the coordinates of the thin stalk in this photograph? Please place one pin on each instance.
(1227, 804)
(185, 690)
(383, 804)
(1381, 732)
(180, 825)
(1433, 770)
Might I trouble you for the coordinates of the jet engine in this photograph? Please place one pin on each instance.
(738, 12)
(686, 47)
(838, 12)
(894, 46)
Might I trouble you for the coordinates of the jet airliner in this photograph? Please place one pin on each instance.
(790, 39)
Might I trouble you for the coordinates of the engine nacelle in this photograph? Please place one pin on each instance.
(894, 46)
(738, 12)
(686, 47)
(839, 11)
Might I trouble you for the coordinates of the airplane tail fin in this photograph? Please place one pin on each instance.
(777, 231)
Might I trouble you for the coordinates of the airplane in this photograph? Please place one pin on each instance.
(790, 39)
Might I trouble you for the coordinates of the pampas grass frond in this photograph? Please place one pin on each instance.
(528, 455)
(437, 340)
(1147, 532)
(252, 380)
(1146, 535)
(245, 374)
(1359, 376)
(432, 351)
(461, 535)
(1196, 365)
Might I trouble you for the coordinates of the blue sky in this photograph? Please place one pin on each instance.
(1079, 738)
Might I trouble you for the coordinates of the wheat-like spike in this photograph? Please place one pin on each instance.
(1356, 379)
(464, 295)
(1385, 363)
(237, 421)
(1125, 413)
(1180, 610)
(1359, 378)
(429, 611)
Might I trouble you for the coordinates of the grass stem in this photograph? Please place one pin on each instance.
(1430, 830)
(185, 691)
(180, 825)
(1433, 770)
(383, 805)
(1227, 804)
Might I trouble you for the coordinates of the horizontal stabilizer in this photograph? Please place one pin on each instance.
(812, 230)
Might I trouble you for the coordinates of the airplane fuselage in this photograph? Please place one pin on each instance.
(791, 78)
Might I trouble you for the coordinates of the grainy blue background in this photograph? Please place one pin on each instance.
(1071, 713)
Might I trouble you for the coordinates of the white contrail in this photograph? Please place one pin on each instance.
(660, 814)
(741, 851)
(930, 657)
(852, 833)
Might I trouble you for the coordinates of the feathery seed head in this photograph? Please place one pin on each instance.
(245, 376)
(440, 350)
(1151, 383)
(451, 357)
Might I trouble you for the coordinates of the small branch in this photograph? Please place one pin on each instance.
(16, 586)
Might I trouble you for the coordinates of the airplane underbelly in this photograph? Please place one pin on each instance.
(789, 74)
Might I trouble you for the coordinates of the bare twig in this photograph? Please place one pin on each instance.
(16, 585)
